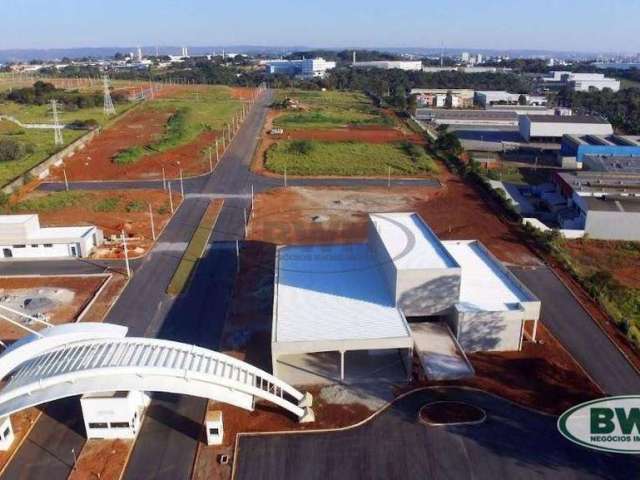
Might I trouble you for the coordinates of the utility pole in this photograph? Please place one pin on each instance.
(217, 152)
(66, 182)
(210, 160)
(181, 185)
(164, 180)
(109, 109)
(57, 128)
(170, 198)
(126, 255)
(153, 227)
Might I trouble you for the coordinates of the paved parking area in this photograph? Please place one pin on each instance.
(512, 443)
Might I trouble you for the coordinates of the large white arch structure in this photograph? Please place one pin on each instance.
(73, 360)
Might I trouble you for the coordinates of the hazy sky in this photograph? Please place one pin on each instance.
(594, 25)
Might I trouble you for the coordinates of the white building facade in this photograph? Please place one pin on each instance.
(21, 236)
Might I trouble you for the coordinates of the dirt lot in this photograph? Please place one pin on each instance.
(621, 259)
(453, 212)
(138, 127)
(102, 459)
(129, 212)
(61, 299)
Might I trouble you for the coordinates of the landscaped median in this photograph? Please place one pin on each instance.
(195, 249)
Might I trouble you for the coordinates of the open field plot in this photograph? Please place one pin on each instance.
(309, 157)
(171, 132)
(610, 272)
(329, 109)
(42, 113)
(38, 145)
(113, 212)
(58, 299)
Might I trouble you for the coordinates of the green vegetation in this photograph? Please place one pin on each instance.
(621, 108)
(41, 93)
(134, 206)
(348, 159)
(621, 302)
(194, 250)
(51, 202)
(107, 205)
(12, 150)
(328, 109)
(209, 109)
(129, 155)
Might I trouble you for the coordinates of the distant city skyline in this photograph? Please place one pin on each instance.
(553, 25)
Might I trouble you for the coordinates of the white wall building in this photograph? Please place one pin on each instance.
(344, 298)
(554, 127)
(487, 98)
(306, 68)
(582, 82)
(113, 414)
(21, 236)
(409, 65)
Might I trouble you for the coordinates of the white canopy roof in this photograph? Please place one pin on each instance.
(334, 297)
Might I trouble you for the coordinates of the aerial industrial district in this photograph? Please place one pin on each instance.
(292, 280)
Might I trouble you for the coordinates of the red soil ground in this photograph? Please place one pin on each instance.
(84, 288)
(243, 93)
(614, 257)
(453, 212)
(135, 224)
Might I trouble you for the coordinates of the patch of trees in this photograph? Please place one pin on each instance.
(621, 108)
(344, 56)
(43, 92)
(11, 150)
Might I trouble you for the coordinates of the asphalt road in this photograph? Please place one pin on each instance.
(511, 443)
(166, 446)
(579, 334)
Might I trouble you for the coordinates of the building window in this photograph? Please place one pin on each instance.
(6, 432)
(119, 424)
(34, 246)
(48, 245)
(214, 431)
(98, 425)
(19, 246)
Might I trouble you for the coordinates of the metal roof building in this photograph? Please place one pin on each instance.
(554, 127)
(340, 298)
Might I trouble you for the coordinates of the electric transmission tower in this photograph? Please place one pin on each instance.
(109, 109)
(57, 128)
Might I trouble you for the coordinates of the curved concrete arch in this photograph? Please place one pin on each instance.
(143, 364)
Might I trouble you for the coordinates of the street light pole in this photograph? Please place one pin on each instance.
(170, 198)
(153, 228)
(126, 255)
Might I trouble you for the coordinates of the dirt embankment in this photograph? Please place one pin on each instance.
(95, 162)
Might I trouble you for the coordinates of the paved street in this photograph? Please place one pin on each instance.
(512, 443)
(579, 334)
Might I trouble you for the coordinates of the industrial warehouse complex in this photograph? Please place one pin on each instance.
(371, 297)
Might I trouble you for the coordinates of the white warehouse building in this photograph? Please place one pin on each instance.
(306, 68)
(554, 127)
(21, 236)
(408, 65)
(375, 297)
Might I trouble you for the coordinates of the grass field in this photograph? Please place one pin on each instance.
(210, 108)
(194, 250)
(43, 147)
(330, 109)
(348, 159)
